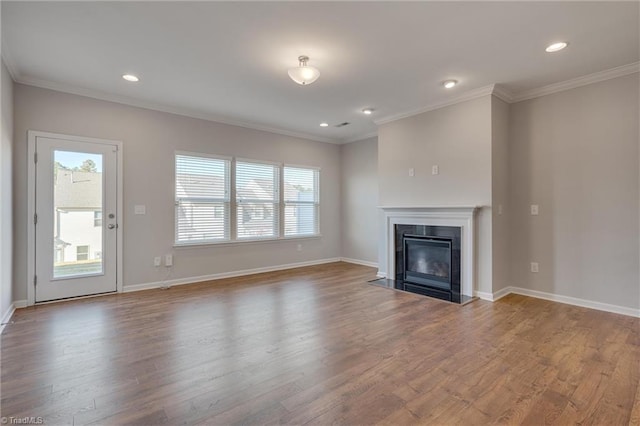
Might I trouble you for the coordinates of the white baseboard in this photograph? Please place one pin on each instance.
(19, 304)
(232, 274)
(7, 316)
(484, 295)
(359, 262)
(623, 310)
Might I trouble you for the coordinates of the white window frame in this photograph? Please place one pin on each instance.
(226, 202)
(231, 204)
(277, 202)
(315, 202)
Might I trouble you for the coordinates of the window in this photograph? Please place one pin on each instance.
(257, 200)
(202, 199)
(97, 218)
(301, 201)
(82, 253)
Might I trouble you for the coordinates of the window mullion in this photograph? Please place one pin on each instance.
(233, 223)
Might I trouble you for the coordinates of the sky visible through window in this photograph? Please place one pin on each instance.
(74, 159)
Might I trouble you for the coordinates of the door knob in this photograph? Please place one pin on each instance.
(111, 226)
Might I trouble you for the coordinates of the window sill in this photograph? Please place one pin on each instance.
(245, 242)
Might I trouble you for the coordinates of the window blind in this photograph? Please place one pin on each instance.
(257, 200)
(202, 199)
(301, 201)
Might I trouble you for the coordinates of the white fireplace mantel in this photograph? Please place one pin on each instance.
(457, 216)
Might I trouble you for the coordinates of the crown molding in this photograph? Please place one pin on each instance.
(502, 93)
(125, 100)
(360, 137)
(8, 61)
(466, 96)
(578, 82)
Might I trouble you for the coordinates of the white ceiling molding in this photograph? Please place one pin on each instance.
(361, 137)
(463, 97)
(578, 82)
(502, 93)
(125, 100)
(8, 62)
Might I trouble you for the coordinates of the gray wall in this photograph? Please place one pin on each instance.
(359, 164)
(500, 193)
(6, 224)
(150, 139)
(575, 153)
(457, 138)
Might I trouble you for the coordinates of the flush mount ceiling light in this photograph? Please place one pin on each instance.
(131, 77)
(556, 47)
(368, 111)
(449, 84)
(304, 74)
(324, 124)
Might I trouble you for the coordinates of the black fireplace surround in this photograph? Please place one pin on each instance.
(427, 260)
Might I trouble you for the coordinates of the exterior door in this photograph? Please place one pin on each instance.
(75, 218)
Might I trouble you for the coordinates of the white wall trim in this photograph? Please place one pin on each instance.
(360, 137)
(231, 274)
(484, 295)
(577, 82)
(623, 310)
(575, 301)
(463, 97)
(7, 316)
(186, 112)
(359, 262)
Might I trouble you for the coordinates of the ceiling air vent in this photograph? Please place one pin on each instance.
(346, 123)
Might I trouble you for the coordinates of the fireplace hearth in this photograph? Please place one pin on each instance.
(428, 276)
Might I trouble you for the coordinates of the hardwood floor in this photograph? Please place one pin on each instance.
(318, 345)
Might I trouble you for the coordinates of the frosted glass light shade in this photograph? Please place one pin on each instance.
(304, 74)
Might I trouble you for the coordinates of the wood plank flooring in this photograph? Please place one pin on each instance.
(317, 345)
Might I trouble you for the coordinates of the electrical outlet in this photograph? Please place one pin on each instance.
(168, 260)
(299, 248)
(534, 209)
(435, 170)
(534, 267)
(157, 261)
(412, 172)
(500, 210)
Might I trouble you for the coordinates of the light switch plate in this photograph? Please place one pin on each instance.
(534, 267)
(140, 209)
(412, 172)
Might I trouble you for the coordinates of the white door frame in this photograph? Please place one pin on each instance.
(31, 202)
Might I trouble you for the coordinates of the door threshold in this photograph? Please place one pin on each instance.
(67, 299)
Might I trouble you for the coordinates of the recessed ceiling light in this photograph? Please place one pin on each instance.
(449, 84)
(324, 124)
(367, 111)
(130, 77)
(555, 47)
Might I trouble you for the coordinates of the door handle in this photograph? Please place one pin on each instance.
(111, 226)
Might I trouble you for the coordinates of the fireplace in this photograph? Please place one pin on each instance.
(427, 261)
(452, 225)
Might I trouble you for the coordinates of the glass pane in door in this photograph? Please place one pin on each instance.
(77, 210)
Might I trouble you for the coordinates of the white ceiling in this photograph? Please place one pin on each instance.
(228, 61)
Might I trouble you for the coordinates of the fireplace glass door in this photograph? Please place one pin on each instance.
(427, 261)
